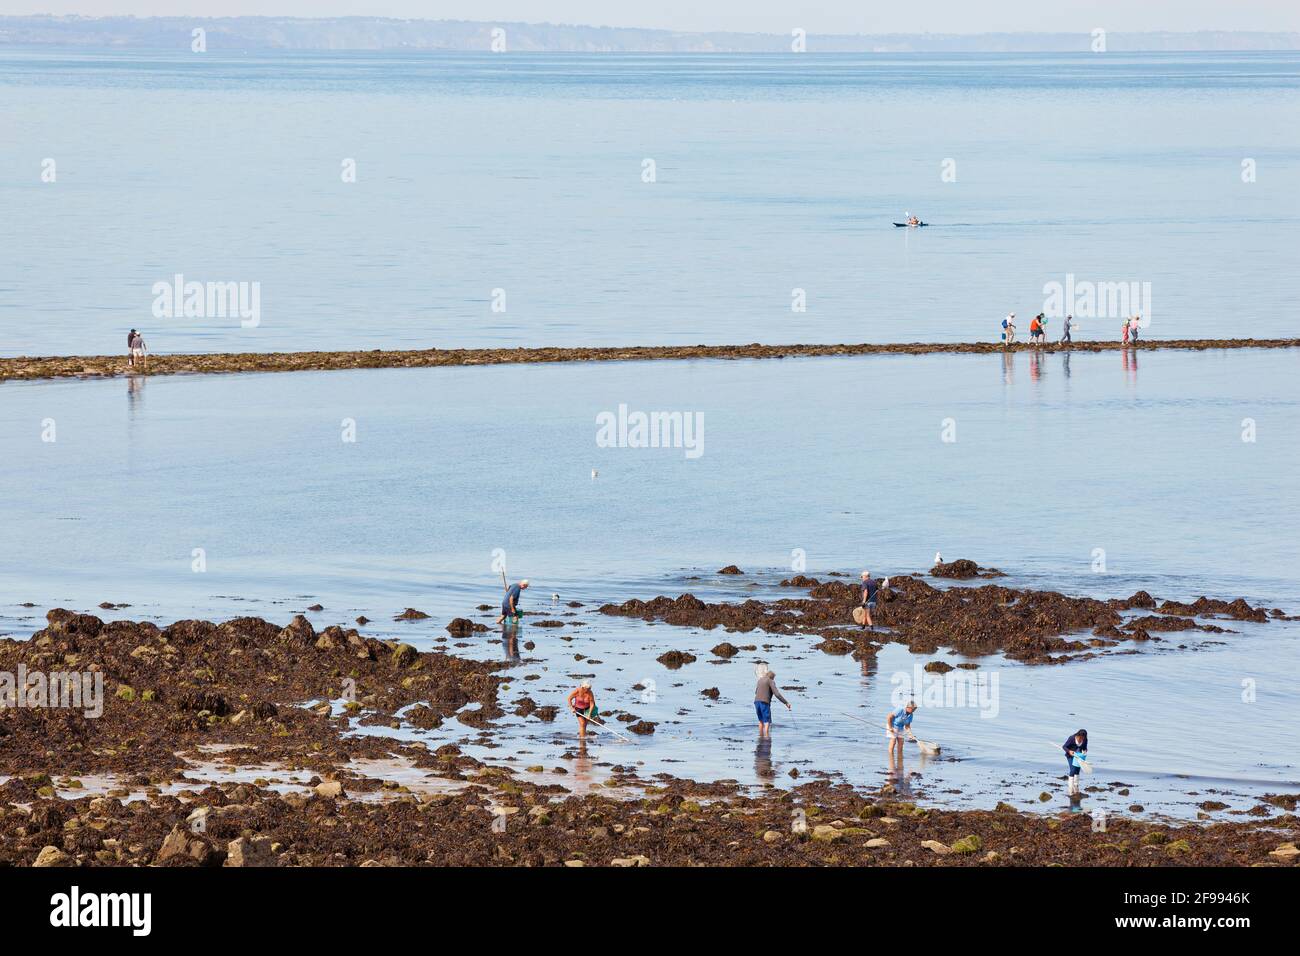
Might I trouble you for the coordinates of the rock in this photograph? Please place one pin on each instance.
(464, 627)
(182, 846)
(1286, 851)
(938, 667)
(725, 649)
(939, 849)
(642, 727)
(574, 863)
(363, 620)
(1179, 846)
(675, 659)
(968, 844)
(411, 614)
(404, 655)
(771, 836)
(711, 692)
(628, 861)
(730, 569)
(52, 856)
(826, 833)
(330, 788)
(246, 852)
(297, 631)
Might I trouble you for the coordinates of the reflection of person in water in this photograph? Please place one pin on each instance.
(510, 641)
(763, 759)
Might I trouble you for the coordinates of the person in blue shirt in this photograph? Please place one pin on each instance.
(899, 724)
(510, 603)
(1076, 750)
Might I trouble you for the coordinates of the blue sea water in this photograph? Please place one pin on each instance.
(217, 496)
(524, 173)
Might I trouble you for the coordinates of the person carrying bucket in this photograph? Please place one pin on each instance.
(870, 590)
(763, 694)
(583, 703)
(898, 725)
(1076, 752)
(510, 603)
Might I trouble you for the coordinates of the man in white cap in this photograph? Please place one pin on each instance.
(510, 603)
(1009, 329)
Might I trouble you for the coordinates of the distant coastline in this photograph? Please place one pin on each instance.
(243, 34)
(107, 366)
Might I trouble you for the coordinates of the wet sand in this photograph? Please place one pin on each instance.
(96, 366)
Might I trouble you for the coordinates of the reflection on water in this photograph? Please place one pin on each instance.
(1130, 364)
(134, 394)
(763, 759)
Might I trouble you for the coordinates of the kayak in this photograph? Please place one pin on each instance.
(901, 224)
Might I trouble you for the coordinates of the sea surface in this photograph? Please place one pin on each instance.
(372, 491)
(501, 200)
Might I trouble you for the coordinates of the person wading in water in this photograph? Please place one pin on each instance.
(583, 703)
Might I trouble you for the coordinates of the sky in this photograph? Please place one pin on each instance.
(765, 16)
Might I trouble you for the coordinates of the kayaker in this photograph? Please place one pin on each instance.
(1076, 751)
(899, 724)
(763, 694)
(510, 603)
(583, 704)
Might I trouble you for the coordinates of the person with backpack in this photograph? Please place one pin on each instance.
(1009, 329)
(135, 347)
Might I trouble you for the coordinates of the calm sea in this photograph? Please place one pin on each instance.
(527, 174)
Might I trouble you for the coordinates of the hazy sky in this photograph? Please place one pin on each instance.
(826, 16)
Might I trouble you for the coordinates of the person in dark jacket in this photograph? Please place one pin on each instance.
(870, 588)
(1076, 751)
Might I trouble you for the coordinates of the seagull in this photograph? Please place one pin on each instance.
(593, 474)
(938, 558)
